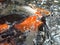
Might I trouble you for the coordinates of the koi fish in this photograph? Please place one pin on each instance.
(39, 9)
(3, 27)
(43, 11)
(28, 23)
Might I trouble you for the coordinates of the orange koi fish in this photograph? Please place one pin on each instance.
(3, 27)
(28, 23)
